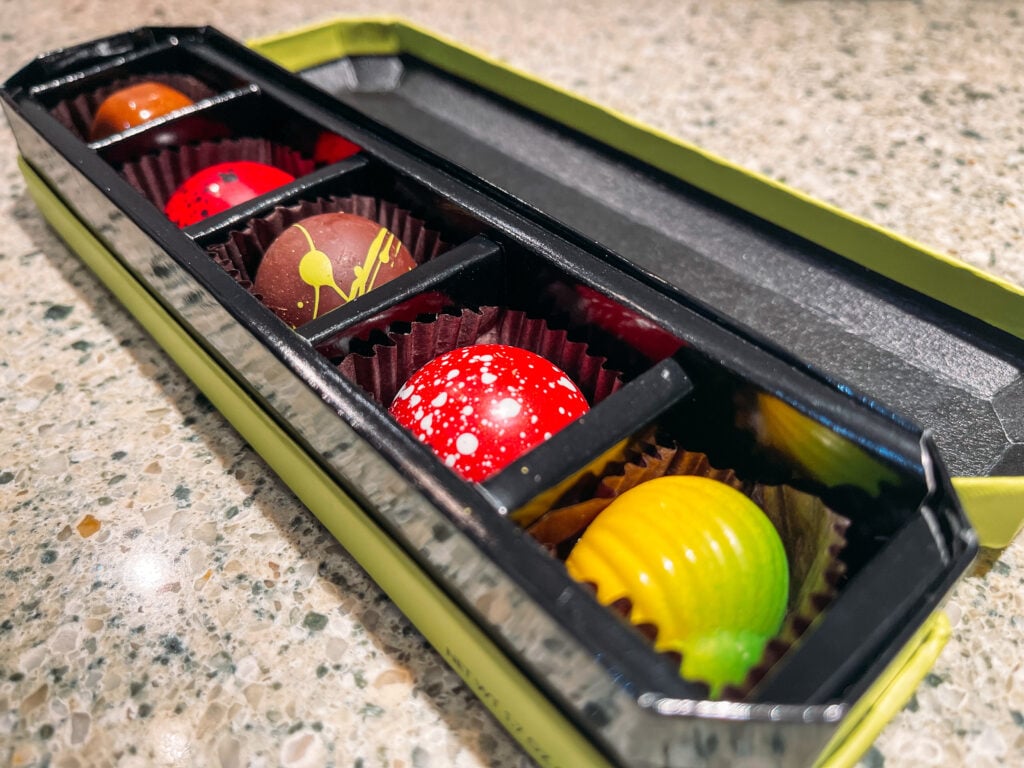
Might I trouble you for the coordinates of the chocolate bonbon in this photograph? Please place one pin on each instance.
(135, 105)
(219, 187)
(482, 407)
(697, 562)
(325, 261)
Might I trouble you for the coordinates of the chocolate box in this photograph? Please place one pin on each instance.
(546, 203)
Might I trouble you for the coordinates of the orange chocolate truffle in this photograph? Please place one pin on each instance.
(135, 105)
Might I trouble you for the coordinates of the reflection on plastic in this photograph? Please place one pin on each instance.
(822, 454)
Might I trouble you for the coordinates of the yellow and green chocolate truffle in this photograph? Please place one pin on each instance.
(697, 560)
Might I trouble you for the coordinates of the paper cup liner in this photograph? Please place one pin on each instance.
(77, 113)
(156, 176)
(241, 254)
(812, 534)
(409, 346)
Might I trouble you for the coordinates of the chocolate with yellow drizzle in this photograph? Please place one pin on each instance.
(345, 253)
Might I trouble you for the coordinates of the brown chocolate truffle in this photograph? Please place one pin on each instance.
(325, 261)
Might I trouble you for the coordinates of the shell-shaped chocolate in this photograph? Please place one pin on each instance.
(698, 561)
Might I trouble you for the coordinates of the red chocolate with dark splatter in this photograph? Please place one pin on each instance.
(222, 186)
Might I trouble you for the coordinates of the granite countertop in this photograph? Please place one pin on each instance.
(166, 600)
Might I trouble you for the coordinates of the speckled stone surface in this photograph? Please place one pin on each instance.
(165, 601)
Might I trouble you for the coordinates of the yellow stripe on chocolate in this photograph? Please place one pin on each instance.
(698, 560)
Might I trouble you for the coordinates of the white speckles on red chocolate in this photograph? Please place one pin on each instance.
(466, 444)
(488, 405)
(509, 408)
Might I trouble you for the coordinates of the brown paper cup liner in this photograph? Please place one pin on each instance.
(812, 534)
(158, 175)
(77, 113)
(240, 256)
(383, 372)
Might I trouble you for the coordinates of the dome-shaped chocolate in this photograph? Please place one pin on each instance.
(698, 562)
(135, 105)
(325, 261)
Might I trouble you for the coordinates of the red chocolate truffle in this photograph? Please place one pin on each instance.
(219, 187)
(135, 105)
(345, 254)
(482, 407)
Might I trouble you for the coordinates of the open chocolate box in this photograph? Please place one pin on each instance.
(706, 340)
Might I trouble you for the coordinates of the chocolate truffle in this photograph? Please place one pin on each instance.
(482, 407)
(325, 261)
(696, 561)
(135, 105)
(219, 187)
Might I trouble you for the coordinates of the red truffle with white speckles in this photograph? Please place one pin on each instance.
(482, 407)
